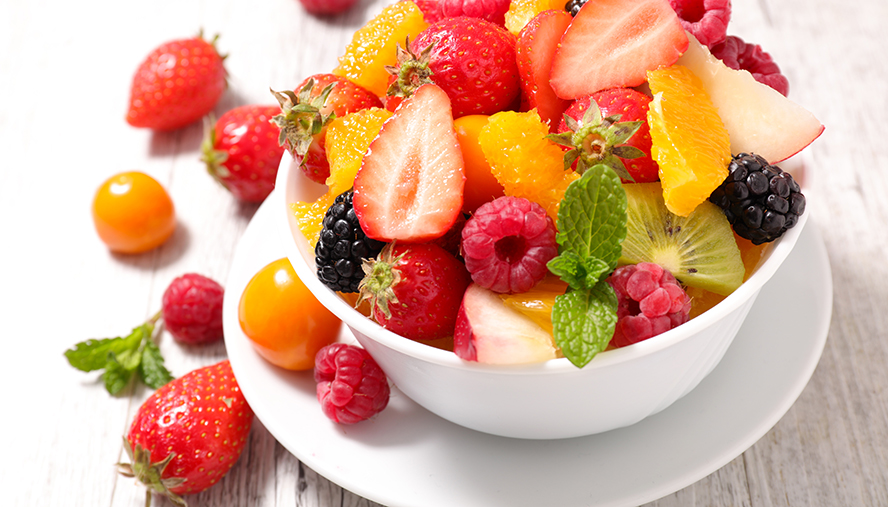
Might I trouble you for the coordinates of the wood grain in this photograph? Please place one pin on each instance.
(66, 68)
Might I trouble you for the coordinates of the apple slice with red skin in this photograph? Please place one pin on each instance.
(758, 118)
(489, 331)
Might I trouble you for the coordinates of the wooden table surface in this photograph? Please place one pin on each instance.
(65, 70)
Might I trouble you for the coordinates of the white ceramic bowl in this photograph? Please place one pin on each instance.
(548, 400)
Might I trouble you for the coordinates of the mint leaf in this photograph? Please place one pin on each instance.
(91, 355)
(583, 322)
(116, 375)
(579, 273)
(592, 216)
(152, 370)
(121, 357)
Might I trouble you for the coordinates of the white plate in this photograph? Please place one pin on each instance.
(407, 456)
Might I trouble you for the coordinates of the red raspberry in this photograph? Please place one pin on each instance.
(650, 302)
(327, 7)
(351, 386)
(507, 244)
(707, 20)
(491, 10)
(192, 309)
(737, 54)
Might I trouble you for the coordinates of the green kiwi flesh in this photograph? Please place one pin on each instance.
(699, 250)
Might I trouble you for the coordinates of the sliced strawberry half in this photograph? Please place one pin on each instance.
(535, 49)
(410, 185)
(613, 43)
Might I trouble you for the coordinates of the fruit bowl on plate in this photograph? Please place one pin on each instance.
(547, 400)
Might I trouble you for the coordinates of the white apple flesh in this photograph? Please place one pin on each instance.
(758, 118)
(489, 331)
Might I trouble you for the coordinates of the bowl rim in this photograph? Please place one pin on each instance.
(288, 170)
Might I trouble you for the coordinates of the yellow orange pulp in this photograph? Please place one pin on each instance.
(690, 142)
(537, 303)
(373, 46)
(526, 163)
(522, 11)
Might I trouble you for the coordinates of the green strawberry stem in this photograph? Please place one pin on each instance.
(150, 474)
(301, 118)
(380, 279)
(210, 156)
(412, 70)
(596, 140)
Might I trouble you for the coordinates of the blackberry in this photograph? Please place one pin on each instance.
(760, 200)
(342, 246)
(573, 6)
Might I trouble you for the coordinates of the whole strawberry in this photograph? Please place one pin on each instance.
(327, 7)
(242, 152)
(189, 433)
(177, 84)
(304, 116)
(415, 290)
(472, 60)
(610, 127)
(192, 309)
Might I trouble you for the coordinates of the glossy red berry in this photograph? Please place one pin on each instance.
(242, 152)
(177, 84)
(507, 243)
(192, 309)
(351, 386)
(650, 301)
(706, 20)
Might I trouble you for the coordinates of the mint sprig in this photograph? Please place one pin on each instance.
(585, 321)
(591, 229)
(123, 357)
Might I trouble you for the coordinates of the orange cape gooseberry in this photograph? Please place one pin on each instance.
(283, 320)
(133, 213)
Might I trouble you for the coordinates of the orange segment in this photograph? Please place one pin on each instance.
(373, 46)
(522, 11)
(481, 186)
(526, 163)
(537, 303)
(311, 214)
(751, 254)
(346, 142)
(702, 300)
(690, 142)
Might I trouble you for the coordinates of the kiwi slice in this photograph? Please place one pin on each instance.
(699, 250)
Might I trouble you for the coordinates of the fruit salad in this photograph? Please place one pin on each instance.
(521, 181)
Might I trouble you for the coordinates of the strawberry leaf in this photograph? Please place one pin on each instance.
(584, 322)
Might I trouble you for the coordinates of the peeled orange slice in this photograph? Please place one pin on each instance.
(373, 46)
(524, 162)
(690, 142)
